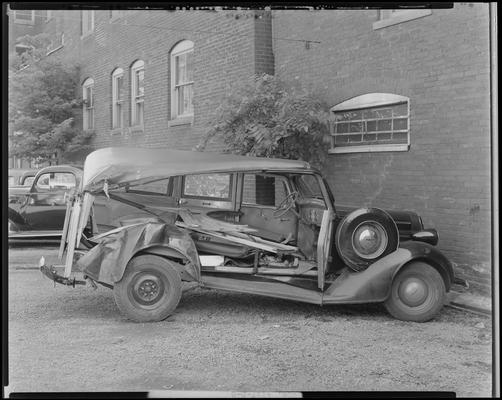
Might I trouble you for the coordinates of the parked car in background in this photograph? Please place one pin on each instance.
(37, 212)
(21, 177)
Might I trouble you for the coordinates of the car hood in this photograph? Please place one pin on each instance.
(117, 165)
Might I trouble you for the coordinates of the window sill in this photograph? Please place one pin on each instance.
(136, 129)
(86, 35)
(180, 121)
(117, 131)
(23, 22)
(397, 19)
(369, 149)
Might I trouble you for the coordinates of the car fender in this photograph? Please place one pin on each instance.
(106, 262)
(374, 283)
(16, 217)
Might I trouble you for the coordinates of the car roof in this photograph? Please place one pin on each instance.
(124, 164)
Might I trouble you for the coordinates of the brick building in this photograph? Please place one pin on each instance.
(410, 92)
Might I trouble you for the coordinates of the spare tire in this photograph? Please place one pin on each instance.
(364, 236)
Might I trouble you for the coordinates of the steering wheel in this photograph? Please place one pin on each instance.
(287, 204)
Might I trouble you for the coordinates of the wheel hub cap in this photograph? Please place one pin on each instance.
(413, 292)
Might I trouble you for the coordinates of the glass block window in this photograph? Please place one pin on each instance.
(372, 122)
(182, 79)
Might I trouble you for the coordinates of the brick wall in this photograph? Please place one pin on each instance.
(224, 52)
(441, 62)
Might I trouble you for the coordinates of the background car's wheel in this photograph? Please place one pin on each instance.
(418, 293)
(364, 236)
(150, 289)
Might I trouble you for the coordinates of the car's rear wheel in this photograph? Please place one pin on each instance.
(418, 293)
(150, 289)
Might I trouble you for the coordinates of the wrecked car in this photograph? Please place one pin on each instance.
(244, 224)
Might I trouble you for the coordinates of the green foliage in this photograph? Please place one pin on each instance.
(271, 118)
(43, 107)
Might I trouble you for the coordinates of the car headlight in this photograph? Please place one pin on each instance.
(369, 240)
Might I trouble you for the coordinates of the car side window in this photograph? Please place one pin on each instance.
(161, 187)
(208, 186)
(56, 180)
(28, 181)
(264, 190)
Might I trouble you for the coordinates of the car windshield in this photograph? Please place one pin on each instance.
(308, 186)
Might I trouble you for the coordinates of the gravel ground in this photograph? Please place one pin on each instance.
(66, 339)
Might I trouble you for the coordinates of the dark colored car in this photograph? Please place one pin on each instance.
(21, 177)
(245, 224)
(37, 212)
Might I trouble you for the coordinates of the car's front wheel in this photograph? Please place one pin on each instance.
(150, 289)
(417, 294)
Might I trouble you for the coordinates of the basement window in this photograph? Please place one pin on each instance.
(372, 122)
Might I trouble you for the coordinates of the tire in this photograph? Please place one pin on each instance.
(149, 290)
(418, 293)
(356, 225)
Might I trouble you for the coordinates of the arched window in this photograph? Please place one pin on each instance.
(88, 106)
(117, 98)
(182, 80)
(371, 122)
(137, 93)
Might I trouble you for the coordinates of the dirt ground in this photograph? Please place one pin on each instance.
(66, 339)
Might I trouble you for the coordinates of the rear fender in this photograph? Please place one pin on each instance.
(106, 262)
(374, 283)
(181, 260)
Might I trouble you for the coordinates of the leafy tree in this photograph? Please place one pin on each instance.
(44, 105)
(271, 118)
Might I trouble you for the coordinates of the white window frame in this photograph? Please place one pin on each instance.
(30, 21)
(59, 45)
(137, 99)
(371, 100)
(88, 105)
(185, 116)
(393, 17)
(48, 15)
(117, 104)
(85, 17)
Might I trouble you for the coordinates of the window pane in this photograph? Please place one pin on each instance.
(140, 88)
(384, 125)
(119, 85)
(400, 124)
(63, 180)
(356, 127)
(181, 69)
(180, 99)
(342, 128)
(189, 67)
(187, 105)
(139, 113)
(208, 185)
(401, 110)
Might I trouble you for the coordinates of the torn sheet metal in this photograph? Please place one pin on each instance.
(106, 262)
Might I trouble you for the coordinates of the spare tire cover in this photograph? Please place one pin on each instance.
(364, 236)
